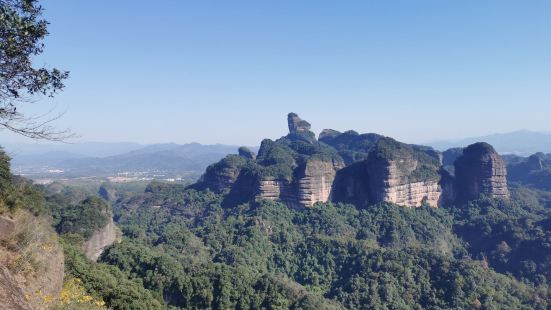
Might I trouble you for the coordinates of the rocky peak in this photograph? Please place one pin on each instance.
(351, 146)
(480, 171)
(402, 174)
(246, 153)
(328, 134)
(296, 124)
(535, 162)
(393, 172)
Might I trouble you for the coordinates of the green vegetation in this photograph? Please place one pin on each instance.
(196, 254)
(22, 31)
(513, 236)
(182, 250)
(107, 282)
(352, 147)
(279, 159)
(427, 167)
(77, 212)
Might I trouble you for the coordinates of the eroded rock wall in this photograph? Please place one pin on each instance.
(480, 171)
(100, 240)
(316, 181)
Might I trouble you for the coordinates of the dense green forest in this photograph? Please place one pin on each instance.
(182, 249)
(189, 252)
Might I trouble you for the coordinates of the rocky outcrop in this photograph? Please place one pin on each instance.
(480, 171)
(221, 176)
(11, 294)
(394, 172)
(296, 124)
(536, 162)
(107, 192)
(246, 153)
(277, 190)
(351, 146)
(315, 181)
(412, 194)
(7, 226)
(100, 240)
(402, 175)
(362, 169)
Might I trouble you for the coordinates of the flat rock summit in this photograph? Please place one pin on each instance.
(363, 169)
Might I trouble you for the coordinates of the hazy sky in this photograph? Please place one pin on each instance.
(229, 71)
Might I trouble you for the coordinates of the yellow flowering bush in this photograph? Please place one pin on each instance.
(74, 296)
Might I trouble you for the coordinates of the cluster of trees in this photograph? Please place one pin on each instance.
(193, 253)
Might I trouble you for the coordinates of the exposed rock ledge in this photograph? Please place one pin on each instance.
(100, 240)
(414, 194)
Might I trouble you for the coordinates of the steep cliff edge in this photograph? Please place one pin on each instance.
(362, 169)
(315, 180)
(480, 171)
(402, 175)
(393, 172)
(100, 240)
(296, 169)
(31, 264)
(221, 176)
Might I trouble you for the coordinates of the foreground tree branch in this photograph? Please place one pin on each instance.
(22, 31)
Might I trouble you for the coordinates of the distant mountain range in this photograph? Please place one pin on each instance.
(522, 142)
(190, 160)
(187, 161)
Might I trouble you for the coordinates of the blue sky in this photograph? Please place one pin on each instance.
(230, 71)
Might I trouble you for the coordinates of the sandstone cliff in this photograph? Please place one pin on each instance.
(100, 240)
(315, 181)
(362, 169)
(402, 175)
(393, 172)
(480, 171)
(296, 124)
(221, 176)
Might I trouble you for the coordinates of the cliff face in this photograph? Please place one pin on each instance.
(296, 124)
(362, 169)
(394, 172)
(402, 175)
(480, 171)
(312, 184)
(101, 239)
(316, 181)
(278, 190)
(221, 176)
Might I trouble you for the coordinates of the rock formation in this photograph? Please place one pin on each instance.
(315, 180)
(351, 146)
(362, 169)
(100, 240)
(480, 171)
(221, 176)
(7, 226)
(296, 124)
(535, 162)
(394, 172)
(246, 153)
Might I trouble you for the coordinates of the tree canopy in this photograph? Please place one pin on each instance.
(22, 31)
